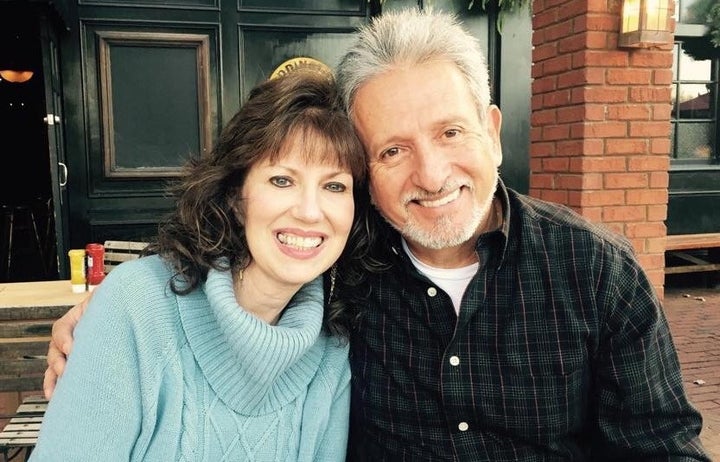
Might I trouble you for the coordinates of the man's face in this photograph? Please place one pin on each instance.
(433, 164)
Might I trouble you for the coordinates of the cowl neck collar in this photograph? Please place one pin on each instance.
(252, 366)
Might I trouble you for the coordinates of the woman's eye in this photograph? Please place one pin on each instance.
(452, 133)
(336, 187)
(281, 181)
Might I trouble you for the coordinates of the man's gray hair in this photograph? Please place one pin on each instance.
(407, 38)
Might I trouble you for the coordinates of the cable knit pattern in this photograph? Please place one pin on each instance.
(159, 377)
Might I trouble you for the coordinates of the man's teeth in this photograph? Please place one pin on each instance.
(442, 201)
(299, 242)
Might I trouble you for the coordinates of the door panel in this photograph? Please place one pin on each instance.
(158, 80)
(350, 6)
(693, 200)
(271, 46)
(55, 121)
(150, 93)
(161, 3)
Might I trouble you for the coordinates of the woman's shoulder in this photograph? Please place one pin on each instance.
(138, 288)
(137, 294)
(139, 276)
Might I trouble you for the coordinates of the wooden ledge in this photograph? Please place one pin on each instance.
(692, 241)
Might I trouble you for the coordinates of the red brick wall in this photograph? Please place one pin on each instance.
(600, 123)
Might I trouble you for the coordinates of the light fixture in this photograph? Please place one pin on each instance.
(17, 56)
(16, 76)
(645, 23)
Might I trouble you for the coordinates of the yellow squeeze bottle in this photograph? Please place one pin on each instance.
(77, 270)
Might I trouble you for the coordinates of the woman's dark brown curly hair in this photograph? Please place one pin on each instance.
(203, 231)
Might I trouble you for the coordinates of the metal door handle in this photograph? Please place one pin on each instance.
(51, 119)
(63, 178)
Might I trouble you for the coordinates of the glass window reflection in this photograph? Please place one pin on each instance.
(692, 11)
(694, 115)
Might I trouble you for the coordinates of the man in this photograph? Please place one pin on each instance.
(502, 328)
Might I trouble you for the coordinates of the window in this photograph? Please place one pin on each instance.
(695, 127)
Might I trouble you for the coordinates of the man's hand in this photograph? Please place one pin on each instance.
(60, 345)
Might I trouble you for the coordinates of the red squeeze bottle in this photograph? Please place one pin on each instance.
(95, 264)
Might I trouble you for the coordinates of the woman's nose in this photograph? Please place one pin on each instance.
(308, 207)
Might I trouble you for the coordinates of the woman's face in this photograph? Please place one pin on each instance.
(297, 214)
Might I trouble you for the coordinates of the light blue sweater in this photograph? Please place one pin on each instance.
(158, 377)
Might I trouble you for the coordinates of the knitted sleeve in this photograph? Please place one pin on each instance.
(95, 411)
(333, 432)
(333, 446)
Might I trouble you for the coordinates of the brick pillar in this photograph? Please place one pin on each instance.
(600, 123)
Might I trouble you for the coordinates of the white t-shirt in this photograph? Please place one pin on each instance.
(453, 281)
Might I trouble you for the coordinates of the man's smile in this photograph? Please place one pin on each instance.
(440, 201)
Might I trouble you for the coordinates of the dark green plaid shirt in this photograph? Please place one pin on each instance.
(561, 351)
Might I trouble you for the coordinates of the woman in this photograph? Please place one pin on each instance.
(221, 347)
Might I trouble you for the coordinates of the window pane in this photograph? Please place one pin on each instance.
(694, 141)
(694, 102)
(690, 69)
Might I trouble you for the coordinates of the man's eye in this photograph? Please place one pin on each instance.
(452, 133)
(389, 152)
(336, 187)
(281, 181)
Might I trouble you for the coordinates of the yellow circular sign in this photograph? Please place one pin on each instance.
(301, 62)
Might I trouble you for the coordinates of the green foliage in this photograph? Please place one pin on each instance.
(714, 20)
(706, 12)
(505, 7)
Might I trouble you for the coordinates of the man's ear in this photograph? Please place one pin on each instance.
(494, 124)
(494, 118)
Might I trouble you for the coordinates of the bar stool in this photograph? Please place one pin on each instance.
(20, 221)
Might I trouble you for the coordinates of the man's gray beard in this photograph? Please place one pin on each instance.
(445, 234)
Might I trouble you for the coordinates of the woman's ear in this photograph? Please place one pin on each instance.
(236, 203)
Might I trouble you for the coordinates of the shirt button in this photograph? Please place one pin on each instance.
(463, 426)
(432, 291)
(454, 360)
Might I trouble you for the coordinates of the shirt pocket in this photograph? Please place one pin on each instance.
(536, 397)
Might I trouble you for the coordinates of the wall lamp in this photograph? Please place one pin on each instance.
(15, 76)
(16, 56)
(645, 23)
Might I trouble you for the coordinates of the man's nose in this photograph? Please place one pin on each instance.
(432, 168)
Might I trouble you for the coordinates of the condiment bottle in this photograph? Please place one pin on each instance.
(77, 270)
(95, 264)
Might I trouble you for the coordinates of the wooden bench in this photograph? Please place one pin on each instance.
(117, 252)
(678, 245)
(27, 312)
(23, 345)
(21, 433)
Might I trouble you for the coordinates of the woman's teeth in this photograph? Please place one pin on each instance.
(299, 242)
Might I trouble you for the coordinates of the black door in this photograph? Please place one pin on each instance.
(54, 118)
(148, 83)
